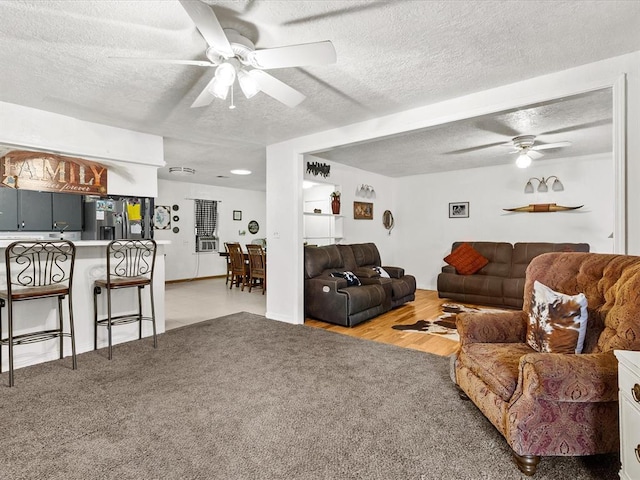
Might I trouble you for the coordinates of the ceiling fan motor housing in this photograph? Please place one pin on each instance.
(241, 46)
(524, 141)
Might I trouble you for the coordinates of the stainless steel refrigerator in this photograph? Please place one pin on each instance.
(117, 218)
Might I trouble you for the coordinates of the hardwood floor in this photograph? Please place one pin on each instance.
(195, 301)
(426, 306)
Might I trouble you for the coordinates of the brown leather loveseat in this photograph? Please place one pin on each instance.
(501, 282)
(332, 299)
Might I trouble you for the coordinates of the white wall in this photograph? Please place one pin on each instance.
(423, 240)
(285, 171)
(181, 260)
(132, 157)
(349, 179)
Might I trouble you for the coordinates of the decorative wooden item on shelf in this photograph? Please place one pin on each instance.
(335, 202)
(542, 207)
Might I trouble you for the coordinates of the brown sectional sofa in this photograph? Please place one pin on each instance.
(501, 282)
(330, 299)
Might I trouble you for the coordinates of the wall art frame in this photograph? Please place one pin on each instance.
(459, 210)
(237, 215)
(162, 217)
(363, 211)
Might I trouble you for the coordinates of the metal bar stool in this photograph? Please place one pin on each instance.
(130, 263)
(36, 270)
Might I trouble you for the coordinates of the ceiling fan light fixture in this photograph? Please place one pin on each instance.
(248, 85)
(219, 89)
(523, 160)
(226, 74)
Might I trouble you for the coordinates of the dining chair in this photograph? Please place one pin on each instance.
(130, 263)
(229, 268)
(257, 267)
(239, 267)
(37, 270)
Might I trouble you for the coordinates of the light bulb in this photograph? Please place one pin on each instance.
(219, 89)
(225, 74)
(528, 188)
(523, 160)
(557, 186)
(248, 85)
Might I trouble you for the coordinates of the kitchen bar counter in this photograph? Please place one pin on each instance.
(90, 264)
(78, 243)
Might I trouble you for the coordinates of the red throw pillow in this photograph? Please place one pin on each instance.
(466, 259)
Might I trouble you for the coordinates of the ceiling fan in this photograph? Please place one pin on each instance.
(235, 57)
(527, 150)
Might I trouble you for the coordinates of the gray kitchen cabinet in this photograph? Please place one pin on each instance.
(67, 212)
(8, 209)
(34, 211)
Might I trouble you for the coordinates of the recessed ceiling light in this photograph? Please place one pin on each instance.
(241, 171)
(183, 171)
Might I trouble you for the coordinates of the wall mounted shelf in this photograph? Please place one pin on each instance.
(323, 214)
(542, 207)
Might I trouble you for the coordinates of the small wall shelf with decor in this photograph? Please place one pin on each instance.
(325, 228)
(320, 225)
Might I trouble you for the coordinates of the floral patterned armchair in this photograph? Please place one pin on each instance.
(554, 403)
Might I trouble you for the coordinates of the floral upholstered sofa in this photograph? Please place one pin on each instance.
(554, 403)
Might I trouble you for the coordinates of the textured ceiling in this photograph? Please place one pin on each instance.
(392, 55)
(584, 120)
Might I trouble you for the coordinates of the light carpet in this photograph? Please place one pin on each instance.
(242, 397)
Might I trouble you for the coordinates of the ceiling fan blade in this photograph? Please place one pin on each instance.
(494, 126)
(335, 13)
(595, 123)
(205, 98)
(208, 25)
(199, 63)
(545, 146)
(479, 147)
(318, 53)
(277, 89)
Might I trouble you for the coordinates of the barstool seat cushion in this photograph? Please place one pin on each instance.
(124, 282)
(35, 292)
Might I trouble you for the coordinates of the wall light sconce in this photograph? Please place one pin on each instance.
(542, 184)
(366, 191)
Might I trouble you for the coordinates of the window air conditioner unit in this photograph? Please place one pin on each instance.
(207, 244)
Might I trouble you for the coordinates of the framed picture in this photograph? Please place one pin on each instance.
(237, 215)
(363, 211)
(162, 217)
(459, 210)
